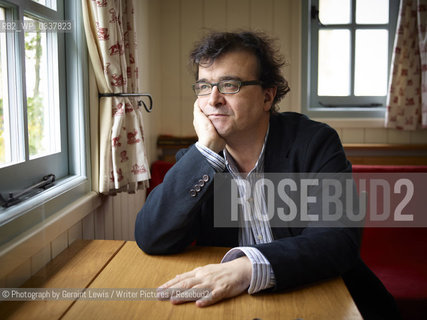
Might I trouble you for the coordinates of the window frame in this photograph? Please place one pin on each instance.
(310, 100)
(23, 174)
(76, 182)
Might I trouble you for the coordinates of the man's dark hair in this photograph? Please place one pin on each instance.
(215, 44)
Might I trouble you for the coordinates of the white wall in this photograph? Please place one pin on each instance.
(148, 48)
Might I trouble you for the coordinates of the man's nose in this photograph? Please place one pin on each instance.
(216, 98)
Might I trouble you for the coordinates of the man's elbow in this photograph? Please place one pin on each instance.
(145, 238)
(147, 246)
(154, 246)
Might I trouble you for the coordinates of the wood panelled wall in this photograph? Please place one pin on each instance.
(181, 22)
(184, 21)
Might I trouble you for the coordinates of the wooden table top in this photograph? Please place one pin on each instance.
(131, 268)
(119, 265)
(75, 267)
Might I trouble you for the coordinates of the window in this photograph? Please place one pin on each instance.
(43, 94)
(348, 46)
(34, 132)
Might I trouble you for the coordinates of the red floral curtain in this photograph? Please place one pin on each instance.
(110, 33)
(407, 98)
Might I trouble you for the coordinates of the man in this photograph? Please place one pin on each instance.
(238, 85)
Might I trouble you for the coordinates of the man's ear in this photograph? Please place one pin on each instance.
(269, 95)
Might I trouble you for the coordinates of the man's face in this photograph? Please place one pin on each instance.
(235, 115)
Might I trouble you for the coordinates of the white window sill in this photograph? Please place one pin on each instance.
(61, 187)
(27, 244)
(23, 216)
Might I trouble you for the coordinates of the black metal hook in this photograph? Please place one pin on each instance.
(150, 108)
(140, 102)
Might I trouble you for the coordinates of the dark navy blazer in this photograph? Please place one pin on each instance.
(174, 215)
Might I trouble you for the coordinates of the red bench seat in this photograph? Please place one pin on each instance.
(398, 256)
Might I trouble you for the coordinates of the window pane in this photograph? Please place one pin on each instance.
(372, 11)
(334, 11)
(371, 62)
(47, 3)
(4, 103)
(41, 66)
(334, 63)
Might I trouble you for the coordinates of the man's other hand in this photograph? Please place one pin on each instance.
(224, 280)
(205, 130)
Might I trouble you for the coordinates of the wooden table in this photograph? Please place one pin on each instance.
(123, 265)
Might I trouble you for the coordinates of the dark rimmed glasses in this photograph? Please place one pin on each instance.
(230, 86)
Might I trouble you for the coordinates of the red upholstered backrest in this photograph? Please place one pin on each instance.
(360, 168)
(159, 169)
(397, 255)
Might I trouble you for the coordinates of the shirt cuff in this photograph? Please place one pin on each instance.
(262, 272)
(214, 159)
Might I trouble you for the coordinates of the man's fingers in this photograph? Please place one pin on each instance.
(192, 294)
(177, 285)
(210, 299)
(208, 284)
(178, 278)
(165, 293)
(197, 111)
(206, 131)
(196, 105)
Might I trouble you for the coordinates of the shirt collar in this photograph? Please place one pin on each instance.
(259, 165)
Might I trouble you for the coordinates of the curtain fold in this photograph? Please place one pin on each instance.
(407, 97)
(110, 33)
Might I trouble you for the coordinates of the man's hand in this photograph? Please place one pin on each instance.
(206, 132)
(224, 280)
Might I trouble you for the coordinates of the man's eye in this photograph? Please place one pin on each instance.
(204, 86)
(230, 85)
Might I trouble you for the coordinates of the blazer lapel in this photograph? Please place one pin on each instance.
(279, 142)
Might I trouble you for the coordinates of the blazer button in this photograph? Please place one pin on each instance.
(197, 188)
(201, 183)
(193, 193)
(205, 178)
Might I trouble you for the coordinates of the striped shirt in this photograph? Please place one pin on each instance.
(252, 230)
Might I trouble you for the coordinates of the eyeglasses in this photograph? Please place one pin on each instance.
(231, 86)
